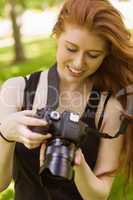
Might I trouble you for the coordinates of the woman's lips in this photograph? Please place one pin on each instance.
(74, 72)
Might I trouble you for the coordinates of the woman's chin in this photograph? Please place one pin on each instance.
(69, 76)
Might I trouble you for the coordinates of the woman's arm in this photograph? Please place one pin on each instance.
(96, 185)
(6, 163)
(14, 126)
(10, 96)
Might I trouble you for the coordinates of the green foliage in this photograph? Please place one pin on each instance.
(120, 191)
(7, 195)
(2, 7)
(34, 3)
(40, 54)
(30, 4)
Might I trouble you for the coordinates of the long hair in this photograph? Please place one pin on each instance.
(116, 71)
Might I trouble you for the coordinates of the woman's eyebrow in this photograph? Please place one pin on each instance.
(72, 43)
(89, 50)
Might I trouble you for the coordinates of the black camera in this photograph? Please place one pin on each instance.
(67, 132)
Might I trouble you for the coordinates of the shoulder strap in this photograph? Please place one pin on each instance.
(122, 129)
(53, 88)
(30, 90)
(104, 106)
(31, 87)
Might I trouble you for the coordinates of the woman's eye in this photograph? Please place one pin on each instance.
(71, 50)
(93, 56)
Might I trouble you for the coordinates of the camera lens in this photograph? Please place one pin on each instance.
(59, 158)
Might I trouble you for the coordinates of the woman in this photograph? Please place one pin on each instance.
(94, 63)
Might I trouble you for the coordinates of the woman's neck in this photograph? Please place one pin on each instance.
(75, 87)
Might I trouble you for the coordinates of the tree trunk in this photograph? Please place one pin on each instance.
(18, 47)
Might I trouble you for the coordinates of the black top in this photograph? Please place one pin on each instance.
(26, 162)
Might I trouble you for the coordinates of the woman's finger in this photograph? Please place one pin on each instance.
(28, 134)
(30, 113)
(42, 153)
(32, 121)
(78, 157)
(31, 146)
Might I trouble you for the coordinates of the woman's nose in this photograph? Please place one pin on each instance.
(79, 62)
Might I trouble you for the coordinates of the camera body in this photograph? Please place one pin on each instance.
(67, 132)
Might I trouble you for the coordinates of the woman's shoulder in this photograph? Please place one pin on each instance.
(19, 81)
(110, 107)
(41, 74)
(11, 92)
(13, 82)
(112, 100)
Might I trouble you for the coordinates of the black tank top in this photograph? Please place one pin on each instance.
(26, 162)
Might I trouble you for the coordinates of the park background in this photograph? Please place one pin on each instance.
(26, 46)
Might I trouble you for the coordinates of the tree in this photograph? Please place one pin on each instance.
(9, 8)
(18, 47)
(15, 8)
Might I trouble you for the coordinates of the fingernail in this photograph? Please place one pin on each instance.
(44, 122)
(49, 135)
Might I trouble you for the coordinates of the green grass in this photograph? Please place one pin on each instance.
(8, 194)
(119, 191)
(40, 55)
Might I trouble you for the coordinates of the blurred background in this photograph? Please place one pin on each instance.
(26, 45)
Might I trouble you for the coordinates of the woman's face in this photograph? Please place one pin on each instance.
(79, 53)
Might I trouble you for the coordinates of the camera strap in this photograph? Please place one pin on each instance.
(124, 125)
(31, 87)
(53, 88)
(121, 131)
(125, 122)
(30, 90)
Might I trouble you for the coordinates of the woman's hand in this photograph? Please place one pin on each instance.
(15, 128)
(78, 157)
(42, 153)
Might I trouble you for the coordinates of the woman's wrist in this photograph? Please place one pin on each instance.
(85, 179)
(4, 138)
